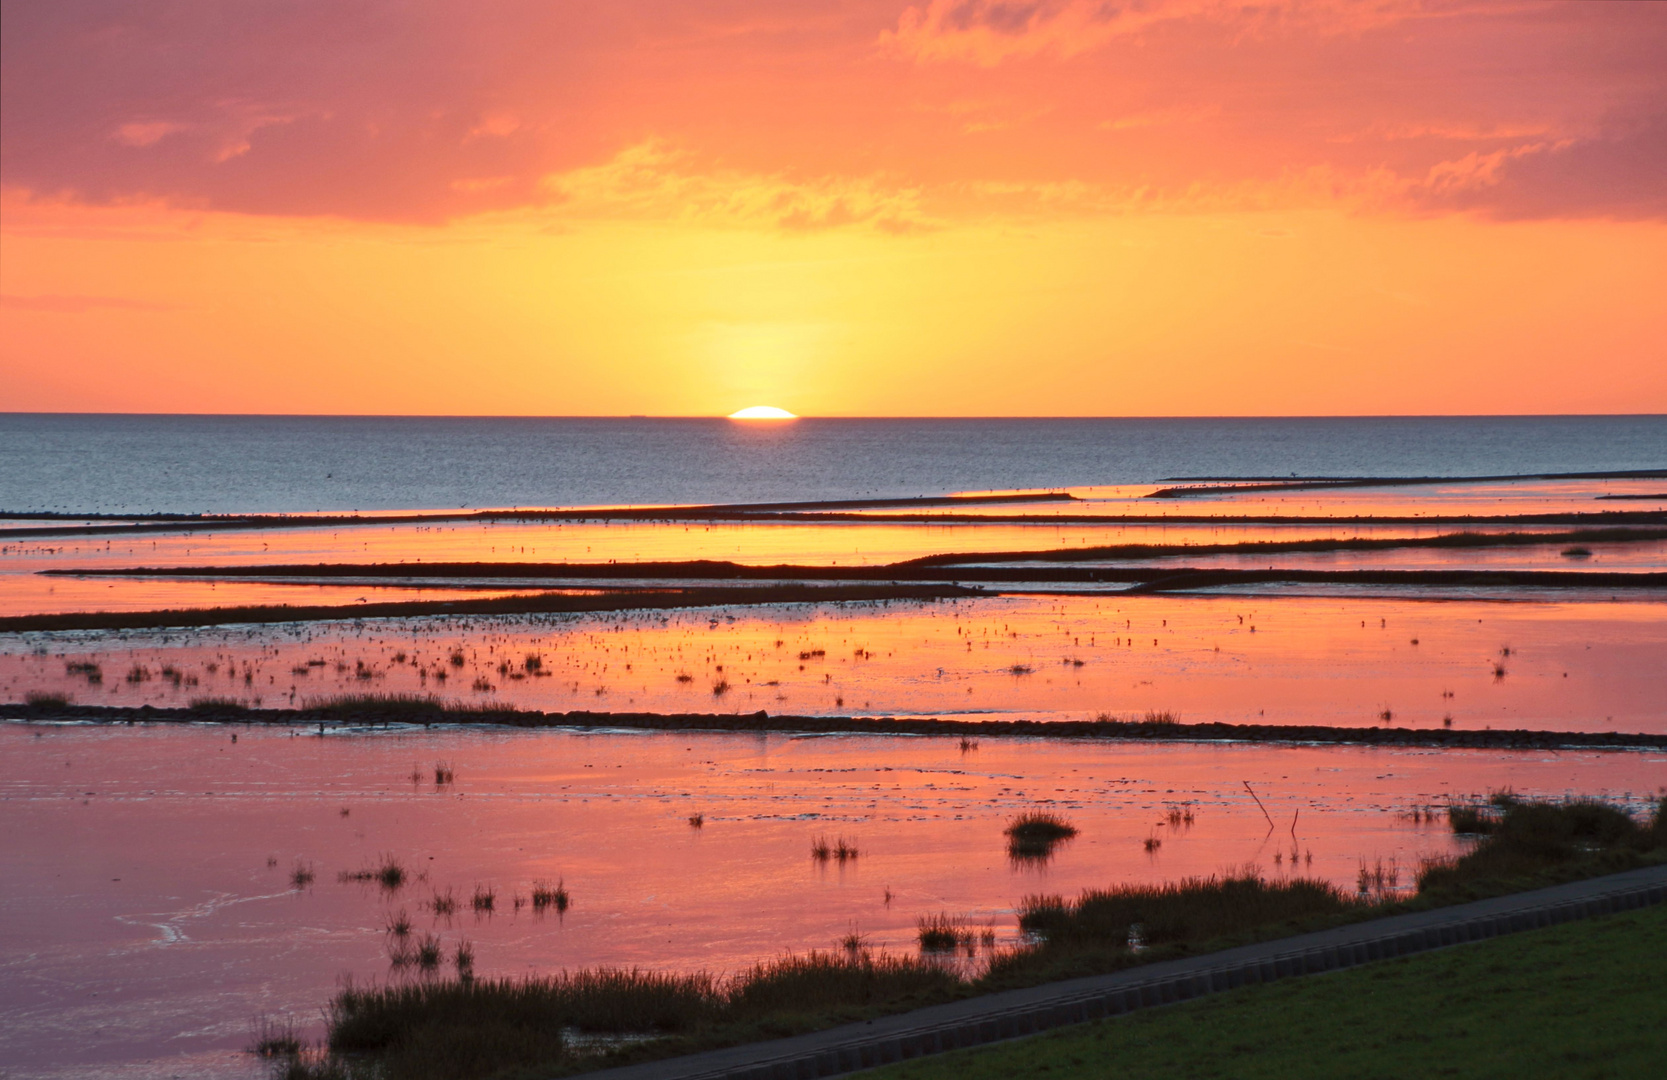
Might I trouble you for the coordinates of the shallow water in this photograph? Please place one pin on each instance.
(1276, 660)
(146, 928)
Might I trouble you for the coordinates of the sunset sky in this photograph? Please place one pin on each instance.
(838, 207)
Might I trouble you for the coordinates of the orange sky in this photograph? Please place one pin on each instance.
(1056, 207)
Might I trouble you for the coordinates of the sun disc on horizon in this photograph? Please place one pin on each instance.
(762, 412)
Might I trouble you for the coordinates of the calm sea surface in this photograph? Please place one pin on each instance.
(141, 464)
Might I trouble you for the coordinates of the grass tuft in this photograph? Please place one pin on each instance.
(546, 895)
(389, 874)
(1035, 834)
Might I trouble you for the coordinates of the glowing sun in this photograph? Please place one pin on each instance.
(762, 412)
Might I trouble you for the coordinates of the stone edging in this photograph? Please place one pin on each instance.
(1016, 1013)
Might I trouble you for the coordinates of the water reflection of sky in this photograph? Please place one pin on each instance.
(146, 922)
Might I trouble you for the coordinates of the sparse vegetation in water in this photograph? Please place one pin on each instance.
(1376, 883)
(86, 669)
(444, 773)
(697, 821)
(390, 874)
(42, 699)
(841, 850)
(463, 958)
(301, 876)
(429, 952)
(968, 745)
(720, 688)
(1021, 669)
(546, 895)
(443, 904)
(471, 1029)
(484, 899)
(399, 926)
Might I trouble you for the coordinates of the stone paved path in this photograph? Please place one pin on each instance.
(1014, 1013)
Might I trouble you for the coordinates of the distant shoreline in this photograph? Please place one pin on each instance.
(346, 715)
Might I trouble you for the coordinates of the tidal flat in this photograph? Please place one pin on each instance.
(176, 885)
(180, 918)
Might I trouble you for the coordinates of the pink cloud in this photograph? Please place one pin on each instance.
(427, 110)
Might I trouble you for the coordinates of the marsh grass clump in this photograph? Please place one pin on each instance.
(275, 1038)
(443, 904)
(475, 1028)
(546, 895)
(1161, 717)
(138, 673)
(822, 982)
(1521, 841)
(1192, 911)
(697, 821)
(463, 958)
(301, 876)
(942, 932)
(841, 850)
(399, 927)
(86, 669)
(428, 952)
(484, 899)
(1036, 833)
(968, 745)
(444, 773)
(389, 873)
(41, 699)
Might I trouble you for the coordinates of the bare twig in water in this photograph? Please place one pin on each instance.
(1264, 809)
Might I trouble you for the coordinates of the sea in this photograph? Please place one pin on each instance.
(138, 464)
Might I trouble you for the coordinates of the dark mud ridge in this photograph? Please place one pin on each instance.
(535, 604)
(348, 714)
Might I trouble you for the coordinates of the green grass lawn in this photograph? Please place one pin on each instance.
(1587, 999)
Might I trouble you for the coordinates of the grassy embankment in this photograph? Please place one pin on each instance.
(475, 1028)
(1586, 999)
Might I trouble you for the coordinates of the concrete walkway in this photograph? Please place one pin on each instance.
(1014, 1013)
